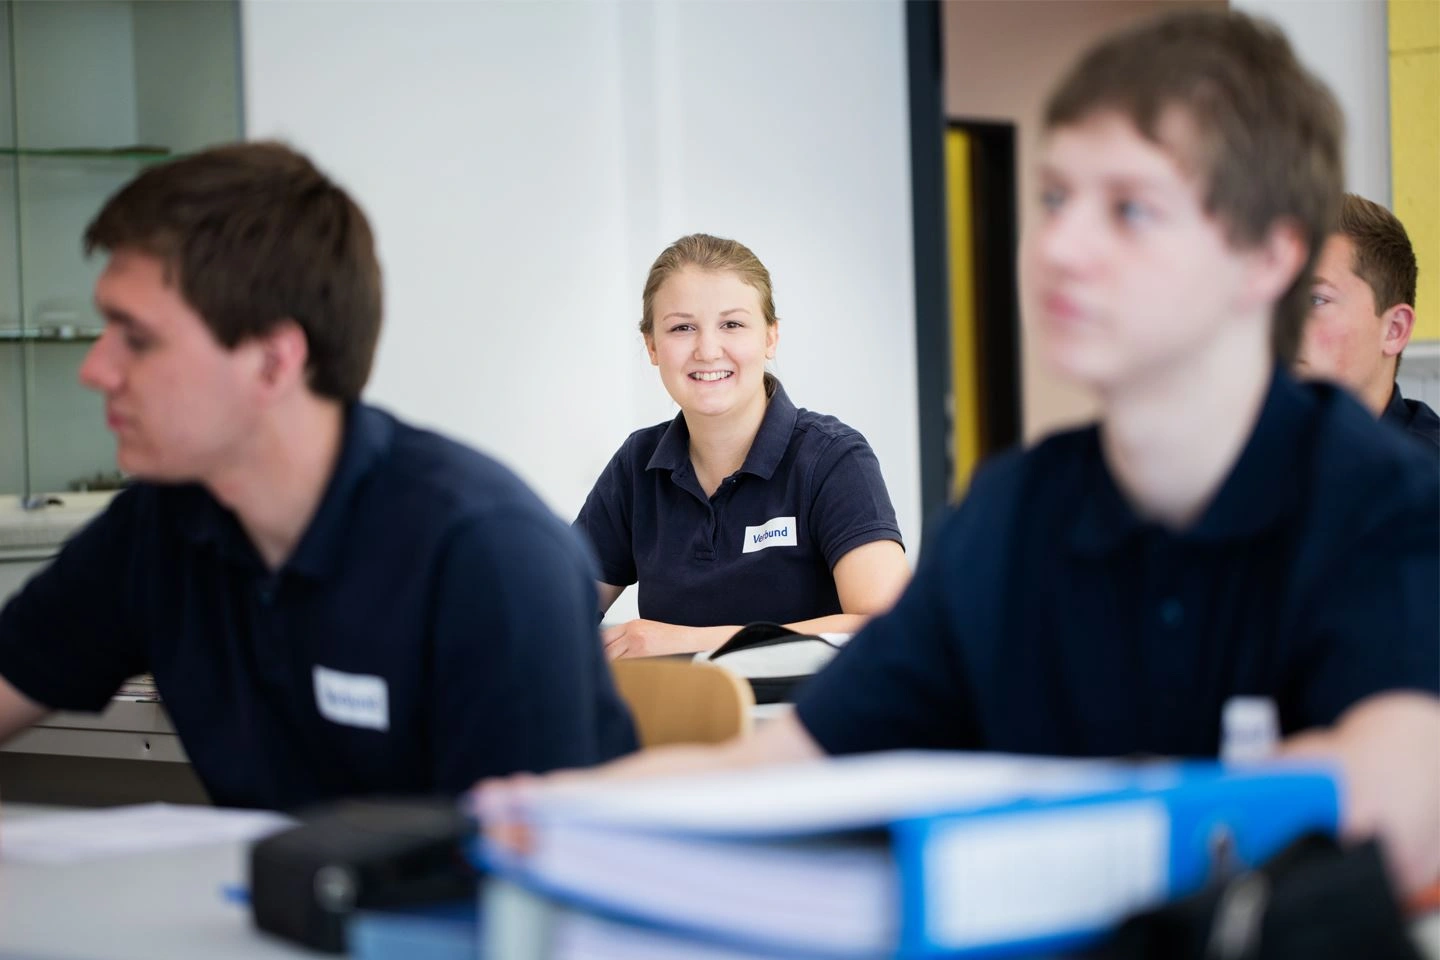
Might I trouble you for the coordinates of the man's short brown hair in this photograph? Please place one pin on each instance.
(1268, 144)
(255, 235)
(1384, 258)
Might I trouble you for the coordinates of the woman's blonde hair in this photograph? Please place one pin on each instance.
(708, 253)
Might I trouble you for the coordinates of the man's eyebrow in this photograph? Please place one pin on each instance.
(1121, 181)
(120, 318)
(1152, 184)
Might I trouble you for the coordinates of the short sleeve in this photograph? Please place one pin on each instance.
(605, 521)
(1373, 622)
(521, 681)
(67, 640)
(850, 506)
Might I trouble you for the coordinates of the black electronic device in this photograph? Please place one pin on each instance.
(305, 882)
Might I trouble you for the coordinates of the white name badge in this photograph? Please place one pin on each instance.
(354, 699)
(779, 532)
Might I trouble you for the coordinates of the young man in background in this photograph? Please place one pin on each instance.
(332, 602)
(1362, 316)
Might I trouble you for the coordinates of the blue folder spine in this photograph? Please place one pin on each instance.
(1193, 825)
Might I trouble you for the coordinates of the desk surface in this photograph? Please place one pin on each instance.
(159, 906)
(145, 907)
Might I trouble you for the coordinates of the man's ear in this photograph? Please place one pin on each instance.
(1397, 324)
(284, 355)
(1275, 262)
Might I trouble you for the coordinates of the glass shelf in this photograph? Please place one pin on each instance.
(91, 94)
(138, 152)
(50, 335)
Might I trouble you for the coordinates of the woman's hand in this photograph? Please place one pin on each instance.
(651, 638)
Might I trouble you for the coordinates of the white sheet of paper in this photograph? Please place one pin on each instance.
(73, 837)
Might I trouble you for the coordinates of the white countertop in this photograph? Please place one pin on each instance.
(138, 907)
(26, 534)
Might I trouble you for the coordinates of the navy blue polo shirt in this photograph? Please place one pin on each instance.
(1047, 617)
(1414, 417)
(435, 625)
(764, 546)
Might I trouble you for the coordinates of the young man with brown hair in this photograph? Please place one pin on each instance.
(1362, 315)
(1222, 532)
(332, 603)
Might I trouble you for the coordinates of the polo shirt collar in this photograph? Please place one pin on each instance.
(1254, 496)
(773, 438)
(1397, 410)
(202, 520)
(365, 438)
(766, 450)
(673, 451)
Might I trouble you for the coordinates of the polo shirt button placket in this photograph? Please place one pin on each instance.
(706, 549)
(722, 495)
(268, 631)
(1175, 678)
(1166, 618)
(716, 521)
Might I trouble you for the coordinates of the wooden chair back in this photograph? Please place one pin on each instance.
(680, 701)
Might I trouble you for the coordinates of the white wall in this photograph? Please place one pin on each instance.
(523, 163)
(1345, 43)
(186, 72)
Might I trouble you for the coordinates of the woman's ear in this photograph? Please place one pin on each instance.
(772, 339)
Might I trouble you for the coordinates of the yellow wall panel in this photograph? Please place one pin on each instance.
(1414, 25)
(964, 379)
(1415, 161)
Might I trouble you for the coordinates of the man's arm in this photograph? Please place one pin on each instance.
(17, 711)
(67, 638)
(1388, 749)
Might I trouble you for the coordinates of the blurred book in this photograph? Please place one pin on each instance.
(139, 688)
(522, 925)
(445, 931)
(907, 854)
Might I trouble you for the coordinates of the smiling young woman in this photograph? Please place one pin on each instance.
(743, 507)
